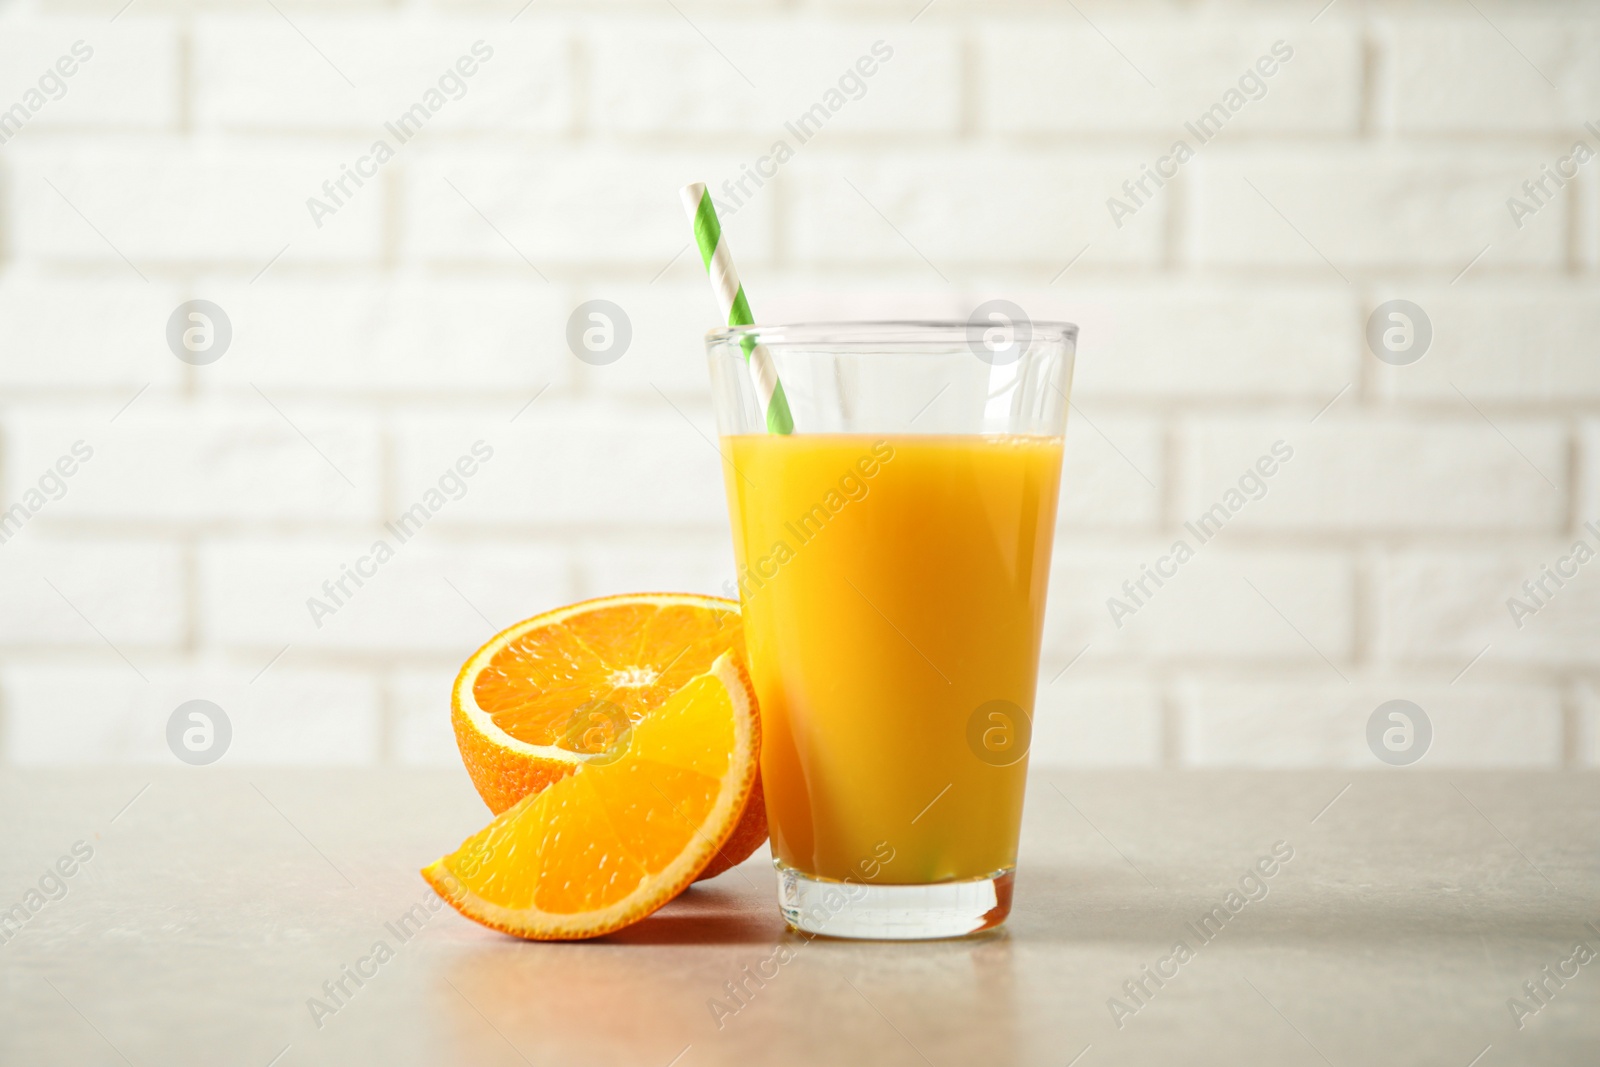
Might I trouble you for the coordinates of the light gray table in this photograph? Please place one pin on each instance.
(219, 902)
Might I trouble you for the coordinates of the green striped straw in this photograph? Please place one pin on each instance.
(735, 308)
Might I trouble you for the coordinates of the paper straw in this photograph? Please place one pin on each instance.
(735, 308)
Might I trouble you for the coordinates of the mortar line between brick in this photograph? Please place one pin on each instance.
(1571, 725)
(1572, 231)
(386, 716)
(1573, 482)
(388, 471)
(580, 66)
(1369, 84)
(968, 71)
(184, 75)
(190, 577)
(5, 723)
(1176, 239)
(1172, 721)
(1364, 568)
(779, 193)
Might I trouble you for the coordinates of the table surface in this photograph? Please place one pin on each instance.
(217, 903)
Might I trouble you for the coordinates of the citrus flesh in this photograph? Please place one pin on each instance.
(556, 691)
(612, 840)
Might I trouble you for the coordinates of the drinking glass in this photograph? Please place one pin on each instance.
(893, 554)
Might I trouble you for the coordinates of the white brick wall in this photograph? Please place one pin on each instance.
(256, 73)
(432, 596)
(1445, 606)
(1451, 75)
(619, 468)
(533, 210)
(196, 463)
(1152, 76)
(1314, 723)
(75, 714)
(430, 309)
(990, 207)
(1549, 325)
(123, 75)
(1112, 472)
(70, 333)
(1222, 343)
(415, 335)
(1207, 612)
(162, 201)
(77, 594)
(652, 75)
(1387, 474)
(1340, 207)
(1097, 722)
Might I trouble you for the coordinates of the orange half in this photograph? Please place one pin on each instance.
(607, 844)
(555, 692)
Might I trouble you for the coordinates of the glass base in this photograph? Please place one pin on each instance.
(831, 908)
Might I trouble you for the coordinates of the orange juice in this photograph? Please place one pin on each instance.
(893, 588)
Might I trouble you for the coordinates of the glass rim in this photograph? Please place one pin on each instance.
(878, 331)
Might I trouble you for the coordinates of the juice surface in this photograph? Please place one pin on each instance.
(891, 587)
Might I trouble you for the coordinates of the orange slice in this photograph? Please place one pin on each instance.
(609, 843)
(554, 692)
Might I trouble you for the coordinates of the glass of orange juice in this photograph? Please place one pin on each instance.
(893, 553)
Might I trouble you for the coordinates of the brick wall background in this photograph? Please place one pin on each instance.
(429, 311)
